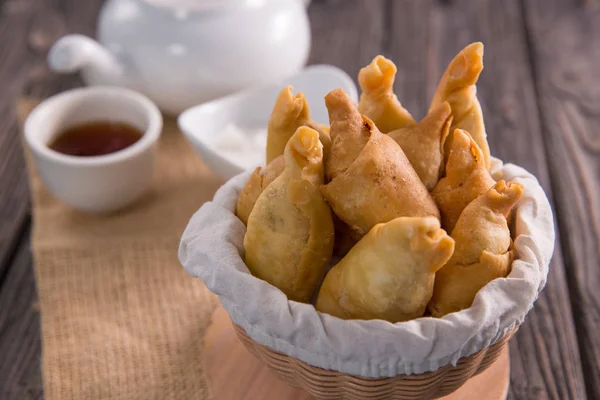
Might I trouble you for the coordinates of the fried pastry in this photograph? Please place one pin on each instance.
(466, 179)
(259, 180)
(349, 133)
(389, 274)
(423, 144)
(290, 234)
(289, 113)
(483, 250)
(372, 180)
(378, 101)
(457, 87)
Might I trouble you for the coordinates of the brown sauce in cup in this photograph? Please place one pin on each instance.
(95, 139)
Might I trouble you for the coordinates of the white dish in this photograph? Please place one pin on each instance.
(103, 183)
(251, 109)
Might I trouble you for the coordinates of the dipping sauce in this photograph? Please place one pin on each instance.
(95, 139)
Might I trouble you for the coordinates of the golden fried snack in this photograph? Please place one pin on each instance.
(378, 100)
(372, 180)
(289, 238)
(389, 274)
(483, 250)
(466, 179)
(290, 113)
(259, 180)
(349, 133)
(423, 144)
(457, 87)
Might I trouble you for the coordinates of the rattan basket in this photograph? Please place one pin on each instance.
(329, 385)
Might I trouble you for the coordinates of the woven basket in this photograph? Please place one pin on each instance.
(329, 385)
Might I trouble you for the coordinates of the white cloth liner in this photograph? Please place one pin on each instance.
(212, 250)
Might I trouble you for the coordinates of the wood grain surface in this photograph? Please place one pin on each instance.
(20, 346)
(27, 30)
(565, 43)
(540, 93)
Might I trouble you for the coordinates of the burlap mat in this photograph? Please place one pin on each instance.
(121, 319)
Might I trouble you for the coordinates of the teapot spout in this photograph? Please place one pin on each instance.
(74, 53)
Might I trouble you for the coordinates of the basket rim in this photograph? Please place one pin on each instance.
(500, 343)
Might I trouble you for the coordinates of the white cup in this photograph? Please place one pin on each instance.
(101, 183)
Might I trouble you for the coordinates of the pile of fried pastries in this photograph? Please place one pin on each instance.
(407, 209)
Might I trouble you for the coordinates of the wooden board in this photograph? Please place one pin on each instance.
(234, 373)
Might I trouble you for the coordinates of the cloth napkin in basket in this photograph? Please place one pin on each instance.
(120, 318)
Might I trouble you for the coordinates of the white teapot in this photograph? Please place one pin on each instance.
(181, 53)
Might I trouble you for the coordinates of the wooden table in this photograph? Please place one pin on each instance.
(540, 93)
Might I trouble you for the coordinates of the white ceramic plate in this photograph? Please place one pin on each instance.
(251, 109)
